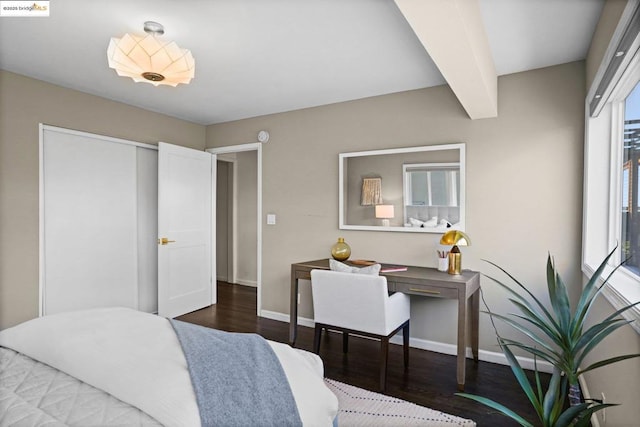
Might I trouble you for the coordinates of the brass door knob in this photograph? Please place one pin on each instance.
(165, 241)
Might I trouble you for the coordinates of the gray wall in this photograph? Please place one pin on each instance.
(524, 185)
(25, 102)
(524, 198)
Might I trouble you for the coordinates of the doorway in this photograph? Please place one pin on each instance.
(225, 219)
(239, 207)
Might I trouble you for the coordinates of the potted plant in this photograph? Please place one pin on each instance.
(561, 338)
(550, 405)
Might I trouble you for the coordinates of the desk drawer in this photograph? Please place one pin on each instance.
(428, 291)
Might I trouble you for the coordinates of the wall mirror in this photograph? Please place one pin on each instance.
(413, 189)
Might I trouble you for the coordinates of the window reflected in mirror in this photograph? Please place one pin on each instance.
(431, 194)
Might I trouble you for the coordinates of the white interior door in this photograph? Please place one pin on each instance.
(186, 214)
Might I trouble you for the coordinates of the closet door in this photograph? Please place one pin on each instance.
(89, 230)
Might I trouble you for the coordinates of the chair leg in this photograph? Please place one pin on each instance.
(405, 345)
(345, 341)
(316, 339)
(384, 354)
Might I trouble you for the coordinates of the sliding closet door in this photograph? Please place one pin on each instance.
(90, 235)
(147, 229)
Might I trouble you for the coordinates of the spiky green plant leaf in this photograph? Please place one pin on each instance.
(528, 332)
(607, 362)
(558, 295)
(576, 415)
(498, 407)
(551, 357)
(518, 296)
(552, 395)
(581, 351)
(537, 320)
(589, 292)
(521, 377)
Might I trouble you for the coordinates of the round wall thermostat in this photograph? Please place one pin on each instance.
(263, 136)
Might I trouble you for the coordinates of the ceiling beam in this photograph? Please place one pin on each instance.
(453, 34)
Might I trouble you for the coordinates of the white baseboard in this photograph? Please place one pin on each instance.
(484, 355)
(274, 315)
(435, 346)
(251, 283)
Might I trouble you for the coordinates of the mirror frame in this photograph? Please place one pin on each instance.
(343, 157)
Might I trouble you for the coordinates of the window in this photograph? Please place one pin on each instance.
(630, 220)
(611, 204)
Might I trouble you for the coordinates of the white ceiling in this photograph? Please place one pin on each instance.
(257, 57)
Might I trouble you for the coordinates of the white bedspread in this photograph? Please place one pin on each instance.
(137, 358)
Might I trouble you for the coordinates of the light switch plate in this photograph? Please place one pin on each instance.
(271, 219)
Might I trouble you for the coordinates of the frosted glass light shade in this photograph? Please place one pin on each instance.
(150, 60)
(384, 211)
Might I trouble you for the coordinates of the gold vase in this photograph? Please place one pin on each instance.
(340, 250)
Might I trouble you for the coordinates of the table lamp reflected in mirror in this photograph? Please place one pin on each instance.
(455, 238)
(384, 213)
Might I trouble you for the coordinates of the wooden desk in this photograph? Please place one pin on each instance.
(420, 281)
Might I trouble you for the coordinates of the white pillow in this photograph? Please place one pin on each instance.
(334, 265)
(415, 222)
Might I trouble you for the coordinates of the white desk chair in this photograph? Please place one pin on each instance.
(359, 304)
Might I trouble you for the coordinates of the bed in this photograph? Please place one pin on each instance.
(118, 366)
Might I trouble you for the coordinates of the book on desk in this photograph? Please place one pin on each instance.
(384, 268)
(390, 268)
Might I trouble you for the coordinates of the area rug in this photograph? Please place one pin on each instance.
(359, 407)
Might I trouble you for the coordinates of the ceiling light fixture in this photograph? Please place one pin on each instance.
(150, 60)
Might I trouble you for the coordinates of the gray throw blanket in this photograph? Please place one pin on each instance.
(237, 378)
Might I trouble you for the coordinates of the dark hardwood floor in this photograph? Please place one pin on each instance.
(430, 380)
